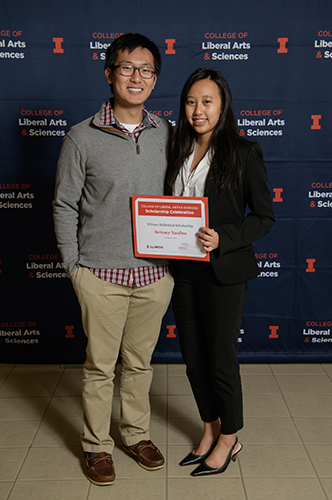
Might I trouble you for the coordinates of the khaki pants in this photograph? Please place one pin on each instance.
(117, 319)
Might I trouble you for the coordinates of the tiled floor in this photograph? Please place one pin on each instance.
(287, 437)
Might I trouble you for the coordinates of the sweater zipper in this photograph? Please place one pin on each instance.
(138, 149)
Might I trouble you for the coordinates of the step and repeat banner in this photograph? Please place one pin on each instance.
(277, 59)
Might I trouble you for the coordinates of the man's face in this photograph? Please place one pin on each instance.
(131, 91)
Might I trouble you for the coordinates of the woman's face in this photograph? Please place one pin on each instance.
(203, 107)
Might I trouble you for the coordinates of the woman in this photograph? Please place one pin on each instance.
(208, 158)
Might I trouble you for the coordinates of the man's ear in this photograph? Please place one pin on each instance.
(155, 81)
(108, 75)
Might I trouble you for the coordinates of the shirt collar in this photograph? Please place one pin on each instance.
(108, 118)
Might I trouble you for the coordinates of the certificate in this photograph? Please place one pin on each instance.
(166, 227)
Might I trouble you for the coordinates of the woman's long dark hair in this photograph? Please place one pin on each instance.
(224, 138)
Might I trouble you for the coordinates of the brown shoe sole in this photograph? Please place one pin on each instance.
(104, 483)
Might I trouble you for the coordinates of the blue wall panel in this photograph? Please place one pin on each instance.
(277, 58)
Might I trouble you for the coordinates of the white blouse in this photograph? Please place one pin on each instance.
(192, 183)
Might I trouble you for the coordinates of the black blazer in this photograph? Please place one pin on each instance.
(234, 261)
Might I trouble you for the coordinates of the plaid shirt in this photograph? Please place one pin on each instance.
(137, 276)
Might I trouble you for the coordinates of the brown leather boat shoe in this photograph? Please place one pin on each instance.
(147, 455)
(100, 469)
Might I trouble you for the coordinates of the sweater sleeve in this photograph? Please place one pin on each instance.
(68, 189)
(260, 218)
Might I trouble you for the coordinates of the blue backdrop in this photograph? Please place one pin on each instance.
(277, 59)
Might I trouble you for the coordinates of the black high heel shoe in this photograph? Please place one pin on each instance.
(205, 470)
(192, 459)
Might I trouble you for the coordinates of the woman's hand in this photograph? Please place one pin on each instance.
(209, 238)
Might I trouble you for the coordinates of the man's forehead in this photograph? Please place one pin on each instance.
(140, 54)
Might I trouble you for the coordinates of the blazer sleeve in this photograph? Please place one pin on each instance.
(260, 218)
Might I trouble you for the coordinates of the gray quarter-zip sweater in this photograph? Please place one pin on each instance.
(99, 169)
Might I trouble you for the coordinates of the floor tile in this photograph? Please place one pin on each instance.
(36, 370)
(309, 405)
(287, 436)
(264, 405)
(269, 430)
(116, 406)
(212, 488)
(70, 383)
(320, 455)
(115, 433)
(53, 463)
(176, 369)
(182, 406)
(51, 490)
(11, 460)
(116, 388)
(158, 431)
(65, 407)
(6, 368)
(275, 460)
(283, 488)
(61, 432)
(177, 453)
(179, 384)
(22, 408)
(5, 488)
(66, 366)
(314, 430)
(184, 430)
(159, 369)
(297, 368)
(256, 384)
(304, 384)
(327, 367)
(158, 385)
(38, 386)
(327, 486)
(17, 433)
(137, 489)
(255, 369)
(158, 406)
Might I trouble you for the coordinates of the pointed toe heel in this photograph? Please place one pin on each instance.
(205, 470)
(192, 459)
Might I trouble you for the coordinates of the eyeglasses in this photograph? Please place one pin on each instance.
(128, 70)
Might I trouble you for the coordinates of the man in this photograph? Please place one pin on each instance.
(105, 160)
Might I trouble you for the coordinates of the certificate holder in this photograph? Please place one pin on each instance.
(166, 226)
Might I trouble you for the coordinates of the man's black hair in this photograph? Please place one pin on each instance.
(130, 42)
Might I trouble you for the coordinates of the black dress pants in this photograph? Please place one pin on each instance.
(208, 317)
